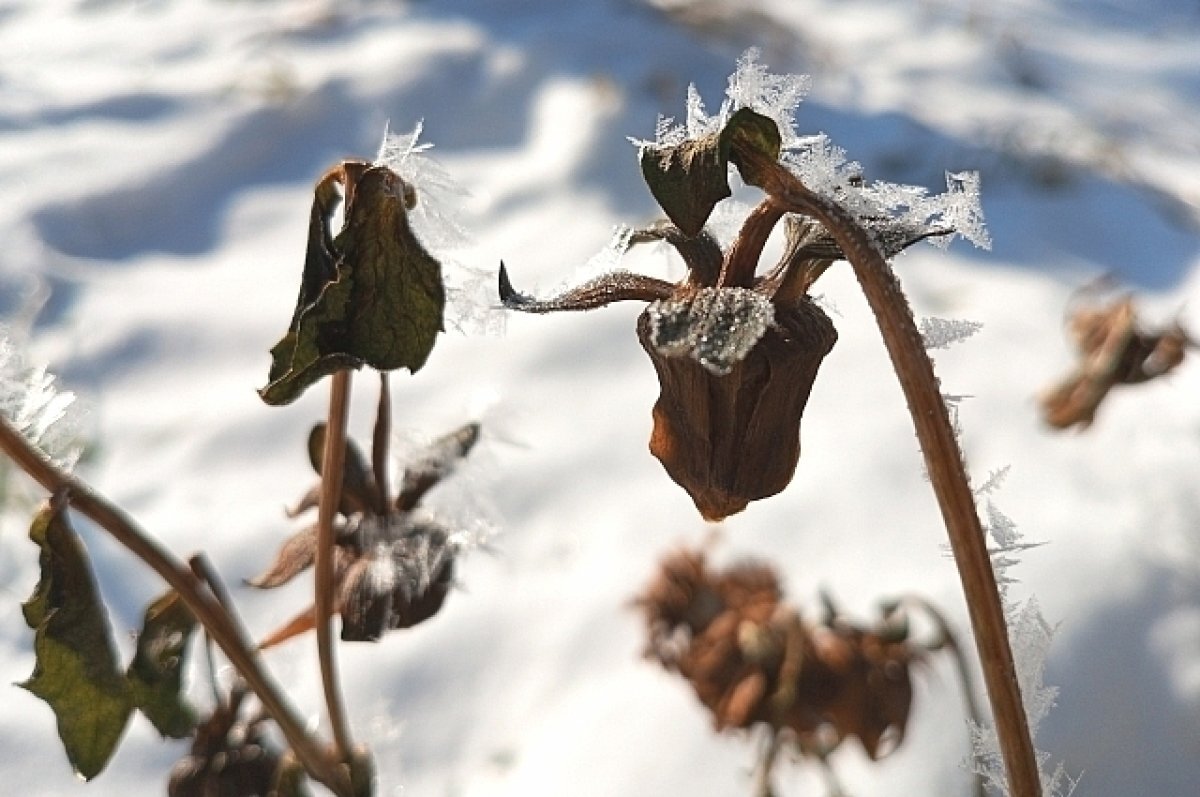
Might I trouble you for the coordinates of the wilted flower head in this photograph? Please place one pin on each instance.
(736, 347)
(393, 561)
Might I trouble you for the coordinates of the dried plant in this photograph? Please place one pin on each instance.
(1114, 349)
(752, 660)
(393, 562)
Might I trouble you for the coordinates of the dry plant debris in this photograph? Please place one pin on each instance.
(752, 660)
(1113, 350)
(232, 756)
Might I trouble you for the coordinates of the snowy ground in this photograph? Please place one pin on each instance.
(157, 164)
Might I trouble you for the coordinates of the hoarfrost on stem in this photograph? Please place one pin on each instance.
(1030, 636)
(942, 333)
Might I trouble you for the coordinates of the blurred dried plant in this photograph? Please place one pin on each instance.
(1114, 349)
(752, 660)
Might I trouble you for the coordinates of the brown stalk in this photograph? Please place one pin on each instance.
(206, 607)
(742, 260)
(332, 462)
(943, 460)
(379, 445)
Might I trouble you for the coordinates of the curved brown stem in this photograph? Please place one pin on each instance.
(332, 463)
(943, 461)
(203, 604)
(742, 260)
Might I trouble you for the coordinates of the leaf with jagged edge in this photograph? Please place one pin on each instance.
(688, 179)
(371, 296)
(77, 669)
(156, 672)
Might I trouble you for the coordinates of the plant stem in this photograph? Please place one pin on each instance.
(380, 445)
(742, 260)
(943, 461)
(332, 464)
(204, 605)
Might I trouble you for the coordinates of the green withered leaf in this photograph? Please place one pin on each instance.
(77, 670)
(371, 296)
(688, 179)
(156, 672)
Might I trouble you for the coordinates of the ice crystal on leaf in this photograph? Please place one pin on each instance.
(436, 205)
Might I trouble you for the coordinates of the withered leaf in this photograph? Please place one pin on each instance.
(371, 296)
(77, 670)
(688, 179)
(156, 672)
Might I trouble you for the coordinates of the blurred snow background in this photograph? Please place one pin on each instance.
(156, 164)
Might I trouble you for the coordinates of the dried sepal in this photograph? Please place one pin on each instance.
(618, 286)
(751, 659)
(434, 463)
(296, 555)
(1113, 350)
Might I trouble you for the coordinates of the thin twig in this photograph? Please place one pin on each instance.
(202, 603)
(332, 464)
(943, 461)
(766, 764)
(949, 640)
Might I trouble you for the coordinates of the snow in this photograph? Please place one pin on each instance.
(157, 170)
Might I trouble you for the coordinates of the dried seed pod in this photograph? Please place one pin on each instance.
(731, 438)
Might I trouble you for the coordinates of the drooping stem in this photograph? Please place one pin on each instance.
(742, 260)
(943, 461)
(200, 600)
(332, 463)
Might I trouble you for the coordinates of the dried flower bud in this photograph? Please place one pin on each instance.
(734, 437)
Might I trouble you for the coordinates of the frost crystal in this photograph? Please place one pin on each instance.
(469, 302)
(29, 401)
(717, 327)
(1030, 636)
(942, 333)
(896, 214)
